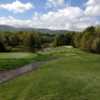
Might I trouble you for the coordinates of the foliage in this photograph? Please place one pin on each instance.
(33, 41)
(2, 46)
(62, 39)
(88, 40)
(96, 45)
(90, 30)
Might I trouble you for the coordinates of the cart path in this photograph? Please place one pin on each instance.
(11, 74)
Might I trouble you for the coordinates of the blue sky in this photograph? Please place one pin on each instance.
(53, 14)
(39, 6)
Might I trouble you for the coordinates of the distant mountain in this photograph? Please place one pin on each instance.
(7, 28)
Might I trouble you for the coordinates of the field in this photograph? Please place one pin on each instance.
(70, 75)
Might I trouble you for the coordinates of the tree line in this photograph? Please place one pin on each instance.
(24, 41)
(88, 40)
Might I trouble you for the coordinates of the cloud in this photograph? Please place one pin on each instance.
(93, 8)
(61, 19)
(15, 22)
(70, 18)
(67, 18)
(17, 6)
(55, 3)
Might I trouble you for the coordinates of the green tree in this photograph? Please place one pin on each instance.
(90, 29)
(96, 45)
(2, 45)
(33, 41)
(62, 39)
(76, 38)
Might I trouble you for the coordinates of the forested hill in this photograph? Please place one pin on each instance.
(7, 28)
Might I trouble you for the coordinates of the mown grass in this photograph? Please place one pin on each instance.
(15, 60)
(74, 76)
(18, 59)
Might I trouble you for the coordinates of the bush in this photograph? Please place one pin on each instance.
(96, 45)
(62, 39)
(2, 45)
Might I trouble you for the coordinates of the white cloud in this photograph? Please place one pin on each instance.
(55, 3)
(68, 18)
(15, 22)
(17, 6)
(60, 19)
(71, 18)
(93, 8)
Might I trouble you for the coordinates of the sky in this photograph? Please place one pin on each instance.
(52, 14)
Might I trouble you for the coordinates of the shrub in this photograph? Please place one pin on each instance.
(96, 45)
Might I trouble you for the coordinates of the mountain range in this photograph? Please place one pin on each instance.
(7, 28)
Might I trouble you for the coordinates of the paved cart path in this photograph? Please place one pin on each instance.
(11, 74)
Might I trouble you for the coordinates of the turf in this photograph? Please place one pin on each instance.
(74, 76)
(15, 60)
(18, 59)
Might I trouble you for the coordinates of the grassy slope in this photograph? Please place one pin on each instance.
(75, 76)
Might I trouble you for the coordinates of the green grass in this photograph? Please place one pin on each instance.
(15, 55)
(18, 59)
(74, 76)
(15, 60)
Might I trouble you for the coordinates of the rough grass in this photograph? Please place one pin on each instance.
(74, 76)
